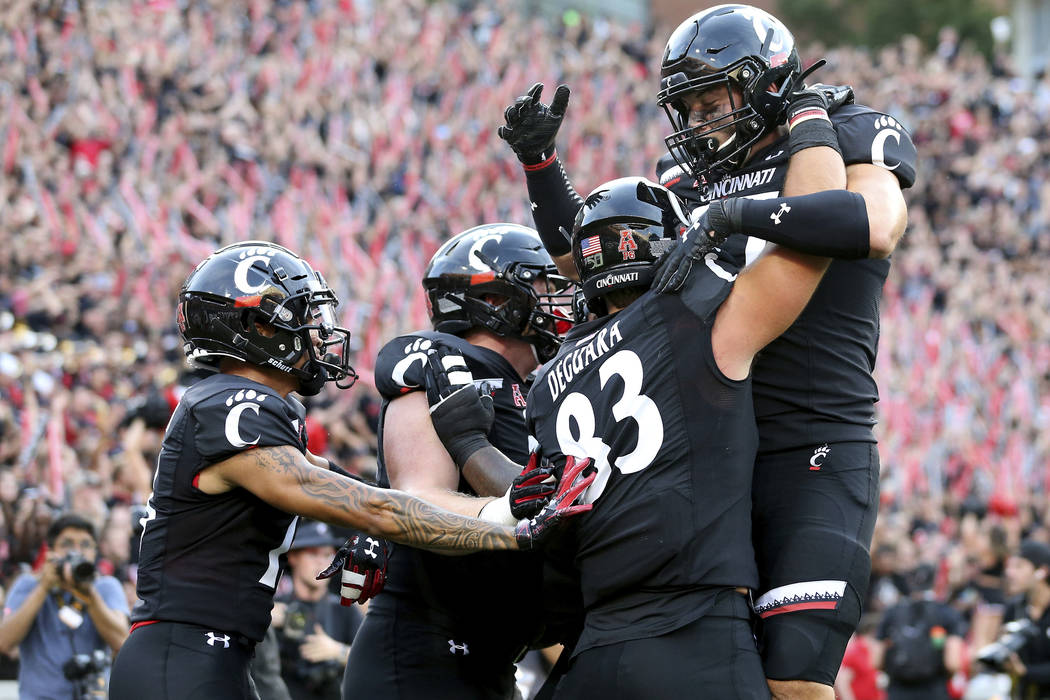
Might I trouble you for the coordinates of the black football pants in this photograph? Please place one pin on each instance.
(175, 661)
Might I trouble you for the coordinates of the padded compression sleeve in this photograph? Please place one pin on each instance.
(554, 204)
(833, 223)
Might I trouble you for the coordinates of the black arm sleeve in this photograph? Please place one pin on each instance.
(832, 224)
(554, 204)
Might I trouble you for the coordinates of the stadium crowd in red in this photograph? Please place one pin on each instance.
(137, 137)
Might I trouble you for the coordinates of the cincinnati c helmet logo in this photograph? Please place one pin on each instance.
(888, 129)
(239, 403)
(473, 260)
(248, 259)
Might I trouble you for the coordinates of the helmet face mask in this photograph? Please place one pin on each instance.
(622, 230)
(487, 277)
(259, 303)
(750, 55)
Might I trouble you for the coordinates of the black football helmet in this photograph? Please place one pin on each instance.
(622, 230)
(726, 46)
(257, 282)
(504, 260)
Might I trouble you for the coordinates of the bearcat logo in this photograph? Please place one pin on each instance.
(627, 244)
(888, 129)
(239, 403)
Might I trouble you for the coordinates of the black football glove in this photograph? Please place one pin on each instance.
(532, 489)
(709, 232)
(363, 561)
(575, 479)
(461, 416)
(532, 126)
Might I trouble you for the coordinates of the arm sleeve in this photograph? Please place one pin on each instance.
(833, 223)
(554, 204)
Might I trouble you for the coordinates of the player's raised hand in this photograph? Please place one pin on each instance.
(576, 477)
(462, 417)
(532, 126)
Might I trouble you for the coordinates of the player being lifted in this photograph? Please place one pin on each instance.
(730, 83)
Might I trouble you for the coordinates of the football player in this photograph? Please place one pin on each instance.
(234, 473)
(656, 390)
(444, 628)
(730, 83)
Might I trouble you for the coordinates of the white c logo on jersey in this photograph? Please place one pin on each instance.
(878, 144)
(416, 351)
(240, 275)
(233, 424)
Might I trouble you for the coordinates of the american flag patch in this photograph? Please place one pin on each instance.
(591, 246)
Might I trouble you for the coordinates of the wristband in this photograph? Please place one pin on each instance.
(809, 127)
(462, 447)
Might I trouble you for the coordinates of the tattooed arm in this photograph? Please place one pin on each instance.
(285, 478)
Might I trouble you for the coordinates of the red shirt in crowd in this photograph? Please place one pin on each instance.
(858, 660)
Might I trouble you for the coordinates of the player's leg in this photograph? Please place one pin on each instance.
(712, 657)
(181, 662)
(814, 514)
(398, 655)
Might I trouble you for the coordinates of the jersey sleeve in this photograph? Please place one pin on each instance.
(238, 419)
(401, 365)
(867, 136)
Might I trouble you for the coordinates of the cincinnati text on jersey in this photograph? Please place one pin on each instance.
(586, 352)
(731, 185)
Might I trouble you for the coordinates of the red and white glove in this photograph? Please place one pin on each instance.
(363, 560)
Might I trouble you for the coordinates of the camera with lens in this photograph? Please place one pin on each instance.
(87, 674)
(83, 569)
(1015, 636)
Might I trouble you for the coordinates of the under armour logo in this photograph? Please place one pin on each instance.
(453, 648)
(372, 544)
(775, 216)
(212, 638)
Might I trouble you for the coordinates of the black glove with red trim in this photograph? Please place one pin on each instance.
(363, 560)
(563, 505)
(532, 489)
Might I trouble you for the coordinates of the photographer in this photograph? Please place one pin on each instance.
(313, 631)
(1022, 645)
(66, 618)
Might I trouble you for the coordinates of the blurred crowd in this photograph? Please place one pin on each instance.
(136, 137)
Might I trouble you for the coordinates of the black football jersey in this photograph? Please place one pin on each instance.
(469, 593)
(214, 560)
(674, 442)
(813, 384)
